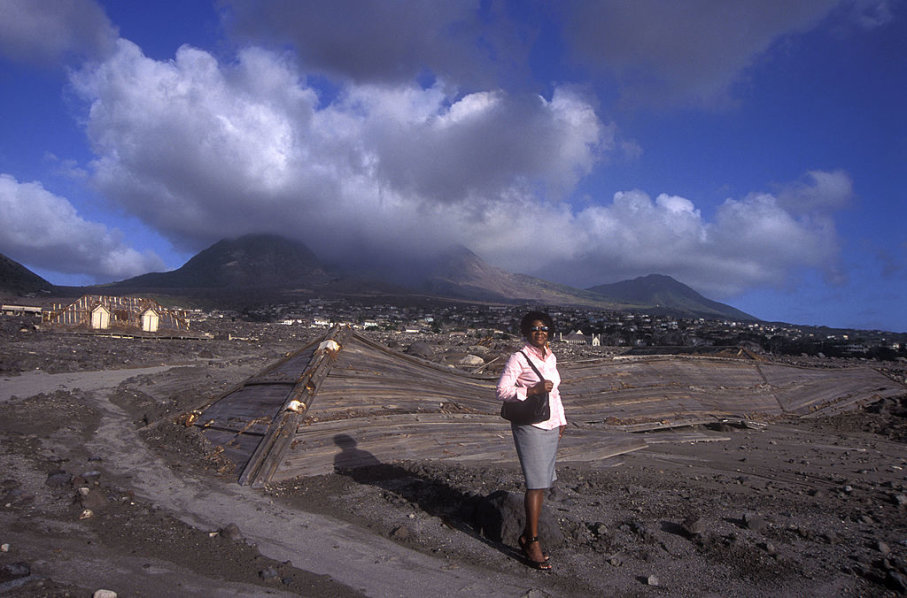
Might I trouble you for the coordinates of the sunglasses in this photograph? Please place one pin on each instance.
(539, 329)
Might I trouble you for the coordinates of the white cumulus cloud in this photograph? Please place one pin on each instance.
(201, 150)
(758, 240)
(45, 231)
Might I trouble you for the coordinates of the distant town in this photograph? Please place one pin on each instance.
(587, 326)
(594, 330)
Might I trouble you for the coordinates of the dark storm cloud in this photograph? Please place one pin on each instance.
(461, 41)
(664, 51)
(47, 33)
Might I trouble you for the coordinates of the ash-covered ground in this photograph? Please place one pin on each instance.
(102, 487)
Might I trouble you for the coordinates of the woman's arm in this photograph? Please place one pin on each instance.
(509, 386)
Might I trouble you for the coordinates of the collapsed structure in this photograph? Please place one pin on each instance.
(345, 401)
(121, 314)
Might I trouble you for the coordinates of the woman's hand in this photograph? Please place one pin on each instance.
(540, 388)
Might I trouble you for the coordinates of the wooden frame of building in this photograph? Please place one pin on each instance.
(135, 315)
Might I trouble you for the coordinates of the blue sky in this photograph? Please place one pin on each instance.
(754, 150)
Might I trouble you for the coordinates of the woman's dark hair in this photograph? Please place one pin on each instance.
(528, 319)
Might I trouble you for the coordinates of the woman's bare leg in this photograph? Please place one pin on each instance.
(533, 503)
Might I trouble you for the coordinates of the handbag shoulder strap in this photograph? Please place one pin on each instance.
(532, 365)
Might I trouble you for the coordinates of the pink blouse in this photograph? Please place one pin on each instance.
(518, 376)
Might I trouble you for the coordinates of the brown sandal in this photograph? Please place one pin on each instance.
(524, 543)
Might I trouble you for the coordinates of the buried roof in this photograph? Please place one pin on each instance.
(345, 401)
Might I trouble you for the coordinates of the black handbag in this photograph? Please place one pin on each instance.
(533, 410)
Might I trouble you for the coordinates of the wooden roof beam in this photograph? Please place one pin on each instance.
(267, 456)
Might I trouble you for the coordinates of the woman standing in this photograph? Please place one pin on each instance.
(536, 444)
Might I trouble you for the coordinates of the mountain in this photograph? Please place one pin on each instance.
(657, 292)
(252, 261)
(256, 268)
(16, 279)
(460, 273)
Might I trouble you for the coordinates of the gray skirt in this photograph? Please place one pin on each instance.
(537, 450)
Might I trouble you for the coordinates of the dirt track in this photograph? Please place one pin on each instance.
(792, 508)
